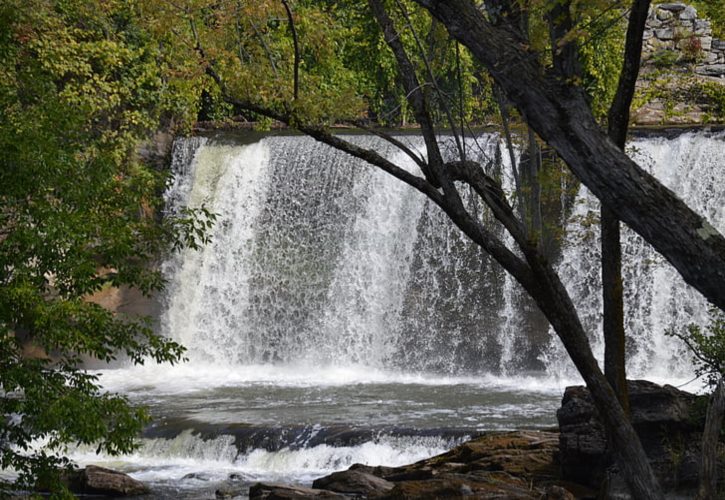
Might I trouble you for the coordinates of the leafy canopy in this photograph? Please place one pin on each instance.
(80, 85)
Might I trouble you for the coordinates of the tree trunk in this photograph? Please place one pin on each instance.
(559, 113)
(613, 302)
(710, 442)
(612, 282)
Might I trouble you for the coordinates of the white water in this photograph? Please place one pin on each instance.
(187, 460)
(334, 295)
(656, 298)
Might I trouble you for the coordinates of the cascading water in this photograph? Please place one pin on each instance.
(339, 317)
(656, 298)
(319, 259)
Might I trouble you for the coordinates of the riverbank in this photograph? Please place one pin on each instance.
(518, 464)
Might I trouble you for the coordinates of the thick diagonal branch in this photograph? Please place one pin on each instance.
(560, 115)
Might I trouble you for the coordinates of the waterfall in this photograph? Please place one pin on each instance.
(320, 260)
(317, 258)
(656, 298)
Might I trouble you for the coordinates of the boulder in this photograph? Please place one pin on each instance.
(662, 417)
(94, 480)
(273, 491)
(355, 482)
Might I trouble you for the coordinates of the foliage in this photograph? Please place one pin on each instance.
(80, 85)
(708, 346)
(692, 49)
(664, 59)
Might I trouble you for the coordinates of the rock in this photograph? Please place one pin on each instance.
(711, 58)
(94, 480)
(660, 415)
(196, 475)
(272, 491)
(688, 13)
(230, 489)
(511, 465)
(354, 482)
(711, 70)
(497, 485)
(664, 15)
(703, 27)
(665, 33)
(672, 7)
(718, 44)
(706, 43)
(558, 493)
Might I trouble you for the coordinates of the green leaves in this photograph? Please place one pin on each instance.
(81, 83)
(707, 346)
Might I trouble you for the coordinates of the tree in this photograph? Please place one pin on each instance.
(612, 286)
(80, 85)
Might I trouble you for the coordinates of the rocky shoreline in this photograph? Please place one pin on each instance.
(517, 465)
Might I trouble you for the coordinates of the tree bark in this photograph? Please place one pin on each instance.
(560, 115)
(615, 367)
(612, 282)
(710, 442)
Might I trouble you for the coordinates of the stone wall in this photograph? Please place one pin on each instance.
(676, 35)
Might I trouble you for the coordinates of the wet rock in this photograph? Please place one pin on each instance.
(558, 493)
(661, 415)
(354, 482)
(451, 486)
(196, 476)
(495, 465)
(94, 480)
(272, 491)
(231, 489)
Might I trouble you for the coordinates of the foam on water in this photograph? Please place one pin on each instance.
(169, 460)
